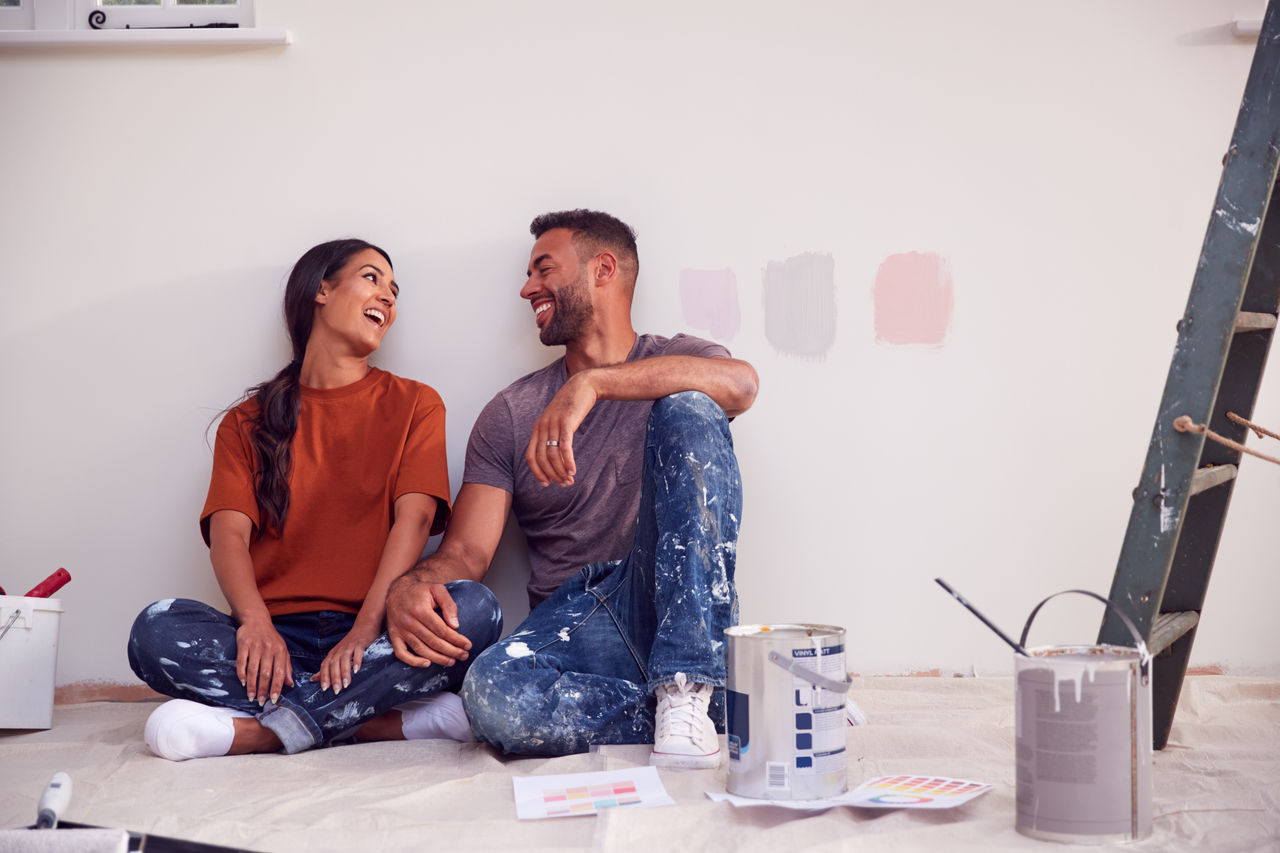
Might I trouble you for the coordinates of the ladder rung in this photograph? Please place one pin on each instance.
(1168, 627)
(1250, 321)
(1210, 476)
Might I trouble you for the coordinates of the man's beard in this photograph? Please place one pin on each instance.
(570, 316)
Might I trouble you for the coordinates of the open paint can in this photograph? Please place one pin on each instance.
(785, 692)
(1083, 727)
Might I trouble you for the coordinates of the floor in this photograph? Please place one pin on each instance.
(1215, 787)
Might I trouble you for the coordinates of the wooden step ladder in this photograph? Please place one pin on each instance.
(1181, 501)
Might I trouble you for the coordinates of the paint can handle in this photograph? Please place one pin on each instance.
(814, 678)
(1144, 656)
(14, 618)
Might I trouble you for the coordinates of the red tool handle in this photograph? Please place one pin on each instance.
(50, 585)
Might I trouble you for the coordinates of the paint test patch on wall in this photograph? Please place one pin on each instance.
(914, 297)
(800, 304)
(709, 300)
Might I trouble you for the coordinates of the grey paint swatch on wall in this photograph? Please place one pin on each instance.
(800, 304)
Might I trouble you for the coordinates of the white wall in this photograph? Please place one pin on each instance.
(1063, 160)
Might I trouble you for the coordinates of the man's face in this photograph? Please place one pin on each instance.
(558, 289)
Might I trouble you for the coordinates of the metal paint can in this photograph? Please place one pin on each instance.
(1083, 739)
(785, 691)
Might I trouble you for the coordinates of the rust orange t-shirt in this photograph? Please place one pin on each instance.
(357, 449)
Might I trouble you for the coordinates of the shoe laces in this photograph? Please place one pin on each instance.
(682, 707)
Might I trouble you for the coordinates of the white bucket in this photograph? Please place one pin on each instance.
(1083, 725)
(28, 660)
(785, 693)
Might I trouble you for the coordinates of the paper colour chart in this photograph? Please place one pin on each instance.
(924, 792)
(584, 800)
(575, 794)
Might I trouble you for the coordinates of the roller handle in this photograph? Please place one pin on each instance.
(53, 801)
(50, 585)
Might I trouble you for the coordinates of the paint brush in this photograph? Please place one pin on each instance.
(985, 621)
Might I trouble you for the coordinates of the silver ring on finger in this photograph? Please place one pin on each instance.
(553, 443)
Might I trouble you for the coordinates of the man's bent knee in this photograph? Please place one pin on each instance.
(687, 404)
(488, 701)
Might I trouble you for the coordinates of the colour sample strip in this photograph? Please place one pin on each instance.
(919, 790)
(577, 794)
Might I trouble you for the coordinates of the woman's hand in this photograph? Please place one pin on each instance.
(262, 661)
(343, 660)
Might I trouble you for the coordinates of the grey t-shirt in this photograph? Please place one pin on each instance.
(594, 519)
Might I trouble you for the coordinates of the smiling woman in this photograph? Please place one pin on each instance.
(327, 481)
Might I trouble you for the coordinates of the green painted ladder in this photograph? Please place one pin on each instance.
(1180, 504)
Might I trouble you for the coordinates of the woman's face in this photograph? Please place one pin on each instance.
(358, 304)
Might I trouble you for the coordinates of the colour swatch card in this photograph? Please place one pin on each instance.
(573, 794)
(885, 792)
(916, 792)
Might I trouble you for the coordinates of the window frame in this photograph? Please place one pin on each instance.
(20, 17)
(167, 14)
(73, 15)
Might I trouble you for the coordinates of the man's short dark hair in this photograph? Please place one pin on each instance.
(593, 232)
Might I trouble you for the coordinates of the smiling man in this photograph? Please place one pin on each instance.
(618, 463)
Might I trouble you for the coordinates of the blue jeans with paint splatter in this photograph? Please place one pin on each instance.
(582, 668)
(186, 649)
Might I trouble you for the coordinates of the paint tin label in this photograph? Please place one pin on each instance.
(786, 726)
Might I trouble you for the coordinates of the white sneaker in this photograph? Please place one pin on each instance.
(180, 729)
(438, 716)
(684, 736)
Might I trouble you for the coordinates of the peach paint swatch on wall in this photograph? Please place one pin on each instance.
(800, 304)
(914, 297)
(709, 300)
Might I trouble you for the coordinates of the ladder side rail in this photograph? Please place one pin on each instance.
(1205, 516)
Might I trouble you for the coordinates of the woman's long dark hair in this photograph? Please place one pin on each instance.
(280, 397)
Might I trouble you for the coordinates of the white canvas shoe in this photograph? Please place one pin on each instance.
(684, 736)
(181, 729)
(438, 716)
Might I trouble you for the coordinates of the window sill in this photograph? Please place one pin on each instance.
(194, 36)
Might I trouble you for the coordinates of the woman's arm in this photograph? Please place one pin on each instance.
(410, 529)
(262, 658)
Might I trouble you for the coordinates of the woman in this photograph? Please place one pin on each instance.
(327, 481)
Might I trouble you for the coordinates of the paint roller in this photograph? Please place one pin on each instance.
(50, 585)
(92, 839)
(53, 801)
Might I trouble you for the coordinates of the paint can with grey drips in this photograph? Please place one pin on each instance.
(785, 691)
(1083, 739)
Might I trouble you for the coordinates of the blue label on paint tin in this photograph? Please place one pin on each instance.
(738, 725)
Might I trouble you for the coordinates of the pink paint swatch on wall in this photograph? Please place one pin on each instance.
(914, 297)
(709, 300)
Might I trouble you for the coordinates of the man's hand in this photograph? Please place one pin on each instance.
(420, 635)
(558, 422)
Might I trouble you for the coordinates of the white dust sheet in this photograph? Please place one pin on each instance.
(1216, 786)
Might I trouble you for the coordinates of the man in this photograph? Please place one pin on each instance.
(632, 548)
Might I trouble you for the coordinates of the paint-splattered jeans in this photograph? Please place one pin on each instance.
(186, 649)
(582, 668)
